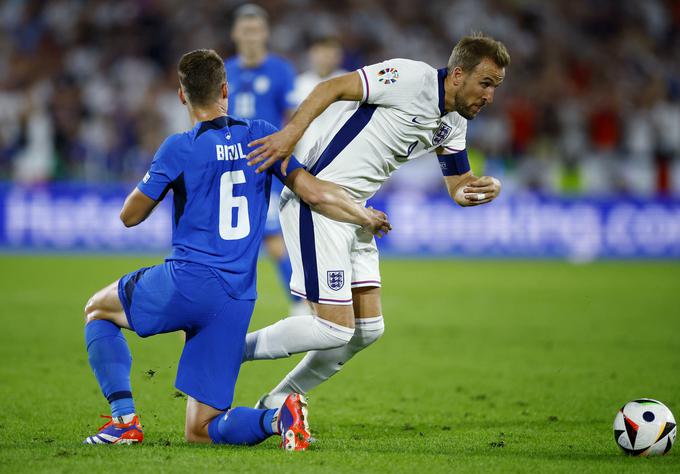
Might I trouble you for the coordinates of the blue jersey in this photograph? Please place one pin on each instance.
(220, 203)
(263, 92)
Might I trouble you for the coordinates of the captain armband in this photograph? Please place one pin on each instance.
(454, 164)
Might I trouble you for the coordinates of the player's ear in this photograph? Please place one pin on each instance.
(180, 94)
(457, 75)
(225, 90)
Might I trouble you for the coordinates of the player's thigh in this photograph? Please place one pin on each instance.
(198, 417)
(105, 304)
(366, 280)
(211, 359)
(367, 303)
(319, 250)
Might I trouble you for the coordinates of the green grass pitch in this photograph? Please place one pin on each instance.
(484, 367)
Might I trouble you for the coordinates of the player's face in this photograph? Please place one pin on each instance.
(250, 33)
(325, 58)
(478, 88)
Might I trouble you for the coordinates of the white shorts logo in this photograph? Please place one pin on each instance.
(147, 176)
(336, 279)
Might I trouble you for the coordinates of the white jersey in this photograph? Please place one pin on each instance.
(401, 117)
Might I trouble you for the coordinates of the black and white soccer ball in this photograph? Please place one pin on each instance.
(645, 427)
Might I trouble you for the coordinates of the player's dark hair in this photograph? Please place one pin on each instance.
(472, 49)
(201, 74)
(250, 10)
(326, 40)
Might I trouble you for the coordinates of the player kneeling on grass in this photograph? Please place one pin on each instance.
(206, 287)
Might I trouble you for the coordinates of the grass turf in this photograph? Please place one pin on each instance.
(485, 367)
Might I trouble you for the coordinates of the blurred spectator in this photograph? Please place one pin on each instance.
(591, 102)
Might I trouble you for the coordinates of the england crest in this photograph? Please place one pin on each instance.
(336, 279)
(441, 134)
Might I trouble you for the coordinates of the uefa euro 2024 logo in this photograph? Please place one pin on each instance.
(389, 75)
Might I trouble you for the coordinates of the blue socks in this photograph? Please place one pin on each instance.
(242, 425)
(110, 360)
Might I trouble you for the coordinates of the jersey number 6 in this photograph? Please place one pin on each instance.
(229, 202)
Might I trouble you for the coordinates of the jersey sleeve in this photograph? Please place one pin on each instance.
(456, 141)
(165, 168)
(452, 155)
(392, 83)
(262, 128)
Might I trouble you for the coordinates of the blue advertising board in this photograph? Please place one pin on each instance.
(68, 217)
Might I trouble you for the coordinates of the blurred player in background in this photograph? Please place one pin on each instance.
(207, 286)
(261, 86)
(397, 111)
(325, 57)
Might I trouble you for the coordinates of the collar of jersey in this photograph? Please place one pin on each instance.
(217, 124)
(441, 75)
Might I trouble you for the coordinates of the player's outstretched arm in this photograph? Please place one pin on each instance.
(330, 200)
(137, 207)
(469, 190)
(280, 145)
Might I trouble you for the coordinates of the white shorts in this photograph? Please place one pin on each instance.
(329, 258)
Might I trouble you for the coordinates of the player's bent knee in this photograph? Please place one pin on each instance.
(376, 334)
(196, 430)
(368, 338)
(90, 308)
(368, 333)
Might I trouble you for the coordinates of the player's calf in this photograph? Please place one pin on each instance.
(249, 426)
(110, 359)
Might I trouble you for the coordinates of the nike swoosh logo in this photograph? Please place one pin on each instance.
(415, 120)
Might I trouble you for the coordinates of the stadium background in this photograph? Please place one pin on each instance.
(590, 112)
(584, 134)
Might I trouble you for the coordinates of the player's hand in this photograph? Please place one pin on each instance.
(479, 191)
(272, 148)
(378, 223)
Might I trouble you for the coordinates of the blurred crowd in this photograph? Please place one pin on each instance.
(590, 104)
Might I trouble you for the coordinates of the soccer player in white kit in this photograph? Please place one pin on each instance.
(394, 111)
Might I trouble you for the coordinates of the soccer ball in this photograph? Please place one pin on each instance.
(645, 427)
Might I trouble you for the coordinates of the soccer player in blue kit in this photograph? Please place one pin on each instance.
(261, 86)
(207, 285)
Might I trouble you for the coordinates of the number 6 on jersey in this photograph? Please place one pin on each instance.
(228, 202)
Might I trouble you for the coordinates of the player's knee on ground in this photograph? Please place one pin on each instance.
(198, 417)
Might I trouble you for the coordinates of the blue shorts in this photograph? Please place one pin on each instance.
(188, 296)
(272, 226)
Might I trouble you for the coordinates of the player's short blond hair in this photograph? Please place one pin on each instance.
(201, 74)
(472, 49)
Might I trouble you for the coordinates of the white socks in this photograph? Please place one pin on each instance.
(319, 365)
(124, 419)
(295, 334)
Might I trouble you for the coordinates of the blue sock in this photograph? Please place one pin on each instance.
(110, 360)
(285, 273)
(242, 425)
